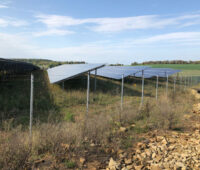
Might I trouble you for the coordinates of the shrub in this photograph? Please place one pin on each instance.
(14, 151)
(69, 117)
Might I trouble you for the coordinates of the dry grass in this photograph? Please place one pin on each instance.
(64, 140)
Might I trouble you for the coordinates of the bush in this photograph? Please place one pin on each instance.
(14, 151)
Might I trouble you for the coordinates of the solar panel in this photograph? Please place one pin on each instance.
(161, 72)
(68, 71)
(12, 66)
(116, 72)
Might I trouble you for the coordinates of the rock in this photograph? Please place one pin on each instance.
(139, 144)
(143, 155)
(113, 165)
(122, 129)
(120, 151)
(133, 125)
(164, 141)
(92, 144)
(128, 161)
(159, 138)
(138, 151)
(158, 158)
(171, 147)
(138, 167)
(179, 165)
(129, 167)
(148, 152)
(155, 167)
(153, 155)
(82, 160)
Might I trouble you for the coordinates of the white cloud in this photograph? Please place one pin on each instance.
(3, 6)
(5, 22)
(50, 32)
(14, 46)
(171, 37)
(118, 24)
(57, 21)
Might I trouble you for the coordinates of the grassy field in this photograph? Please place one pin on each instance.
(61, 132)
(178, 66)
(187, 69)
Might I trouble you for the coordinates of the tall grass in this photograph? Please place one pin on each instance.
(64, 139)
(61, 130)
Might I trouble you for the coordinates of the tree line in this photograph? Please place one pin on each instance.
(166, 62)
(44, 63)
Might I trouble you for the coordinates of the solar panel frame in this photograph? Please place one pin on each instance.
(60, 71)
(161, 72)
(116, 72)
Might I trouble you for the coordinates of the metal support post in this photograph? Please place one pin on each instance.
(95, 81)
(157, 87)
(185, 83)
(88, 93)
(167, 85)
(31, 105)
(63, 85)
(122, 92)
(142, 98)
(174, 84)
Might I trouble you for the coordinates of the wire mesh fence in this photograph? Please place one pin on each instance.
(59, 102)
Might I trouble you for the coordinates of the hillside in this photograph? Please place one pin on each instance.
(44, 63)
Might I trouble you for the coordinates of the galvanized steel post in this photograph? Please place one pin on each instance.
(142, 99)
(185, 83)
(63, 85)
(174, 84)
(31, 106)
(167, 85)
(122, 92)
(95, 81)
(157, 87)
(88, 93)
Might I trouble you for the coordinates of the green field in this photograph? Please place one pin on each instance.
(178, 66)
(187, 69)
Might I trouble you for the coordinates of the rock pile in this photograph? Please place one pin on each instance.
(196, 108)
(173, 151)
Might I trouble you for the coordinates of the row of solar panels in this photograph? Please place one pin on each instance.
(67, 71)
(12, 66)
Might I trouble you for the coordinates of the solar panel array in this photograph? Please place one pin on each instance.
(161, 72)
(68, 71)
(12, 66)
(116, 72)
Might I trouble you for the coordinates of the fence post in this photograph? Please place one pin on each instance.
(142, 99)
(167, 86)
(63, 85)
(88, 93)
(122, 92)
(95, 81)
(174, 84)
(157, 87)
(185, 83)
(31, 105)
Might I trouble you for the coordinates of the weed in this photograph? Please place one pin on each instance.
(70, 164)
(69, 117)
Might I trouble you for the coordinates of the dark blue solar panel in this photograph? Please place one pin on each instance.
(68, 71)
(116, 72)
(161, 72)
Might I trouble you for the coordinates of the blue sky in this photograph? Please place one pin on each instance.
(100, 31)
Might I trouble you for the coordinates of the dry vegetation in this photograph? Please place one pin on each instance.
(60, 145)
